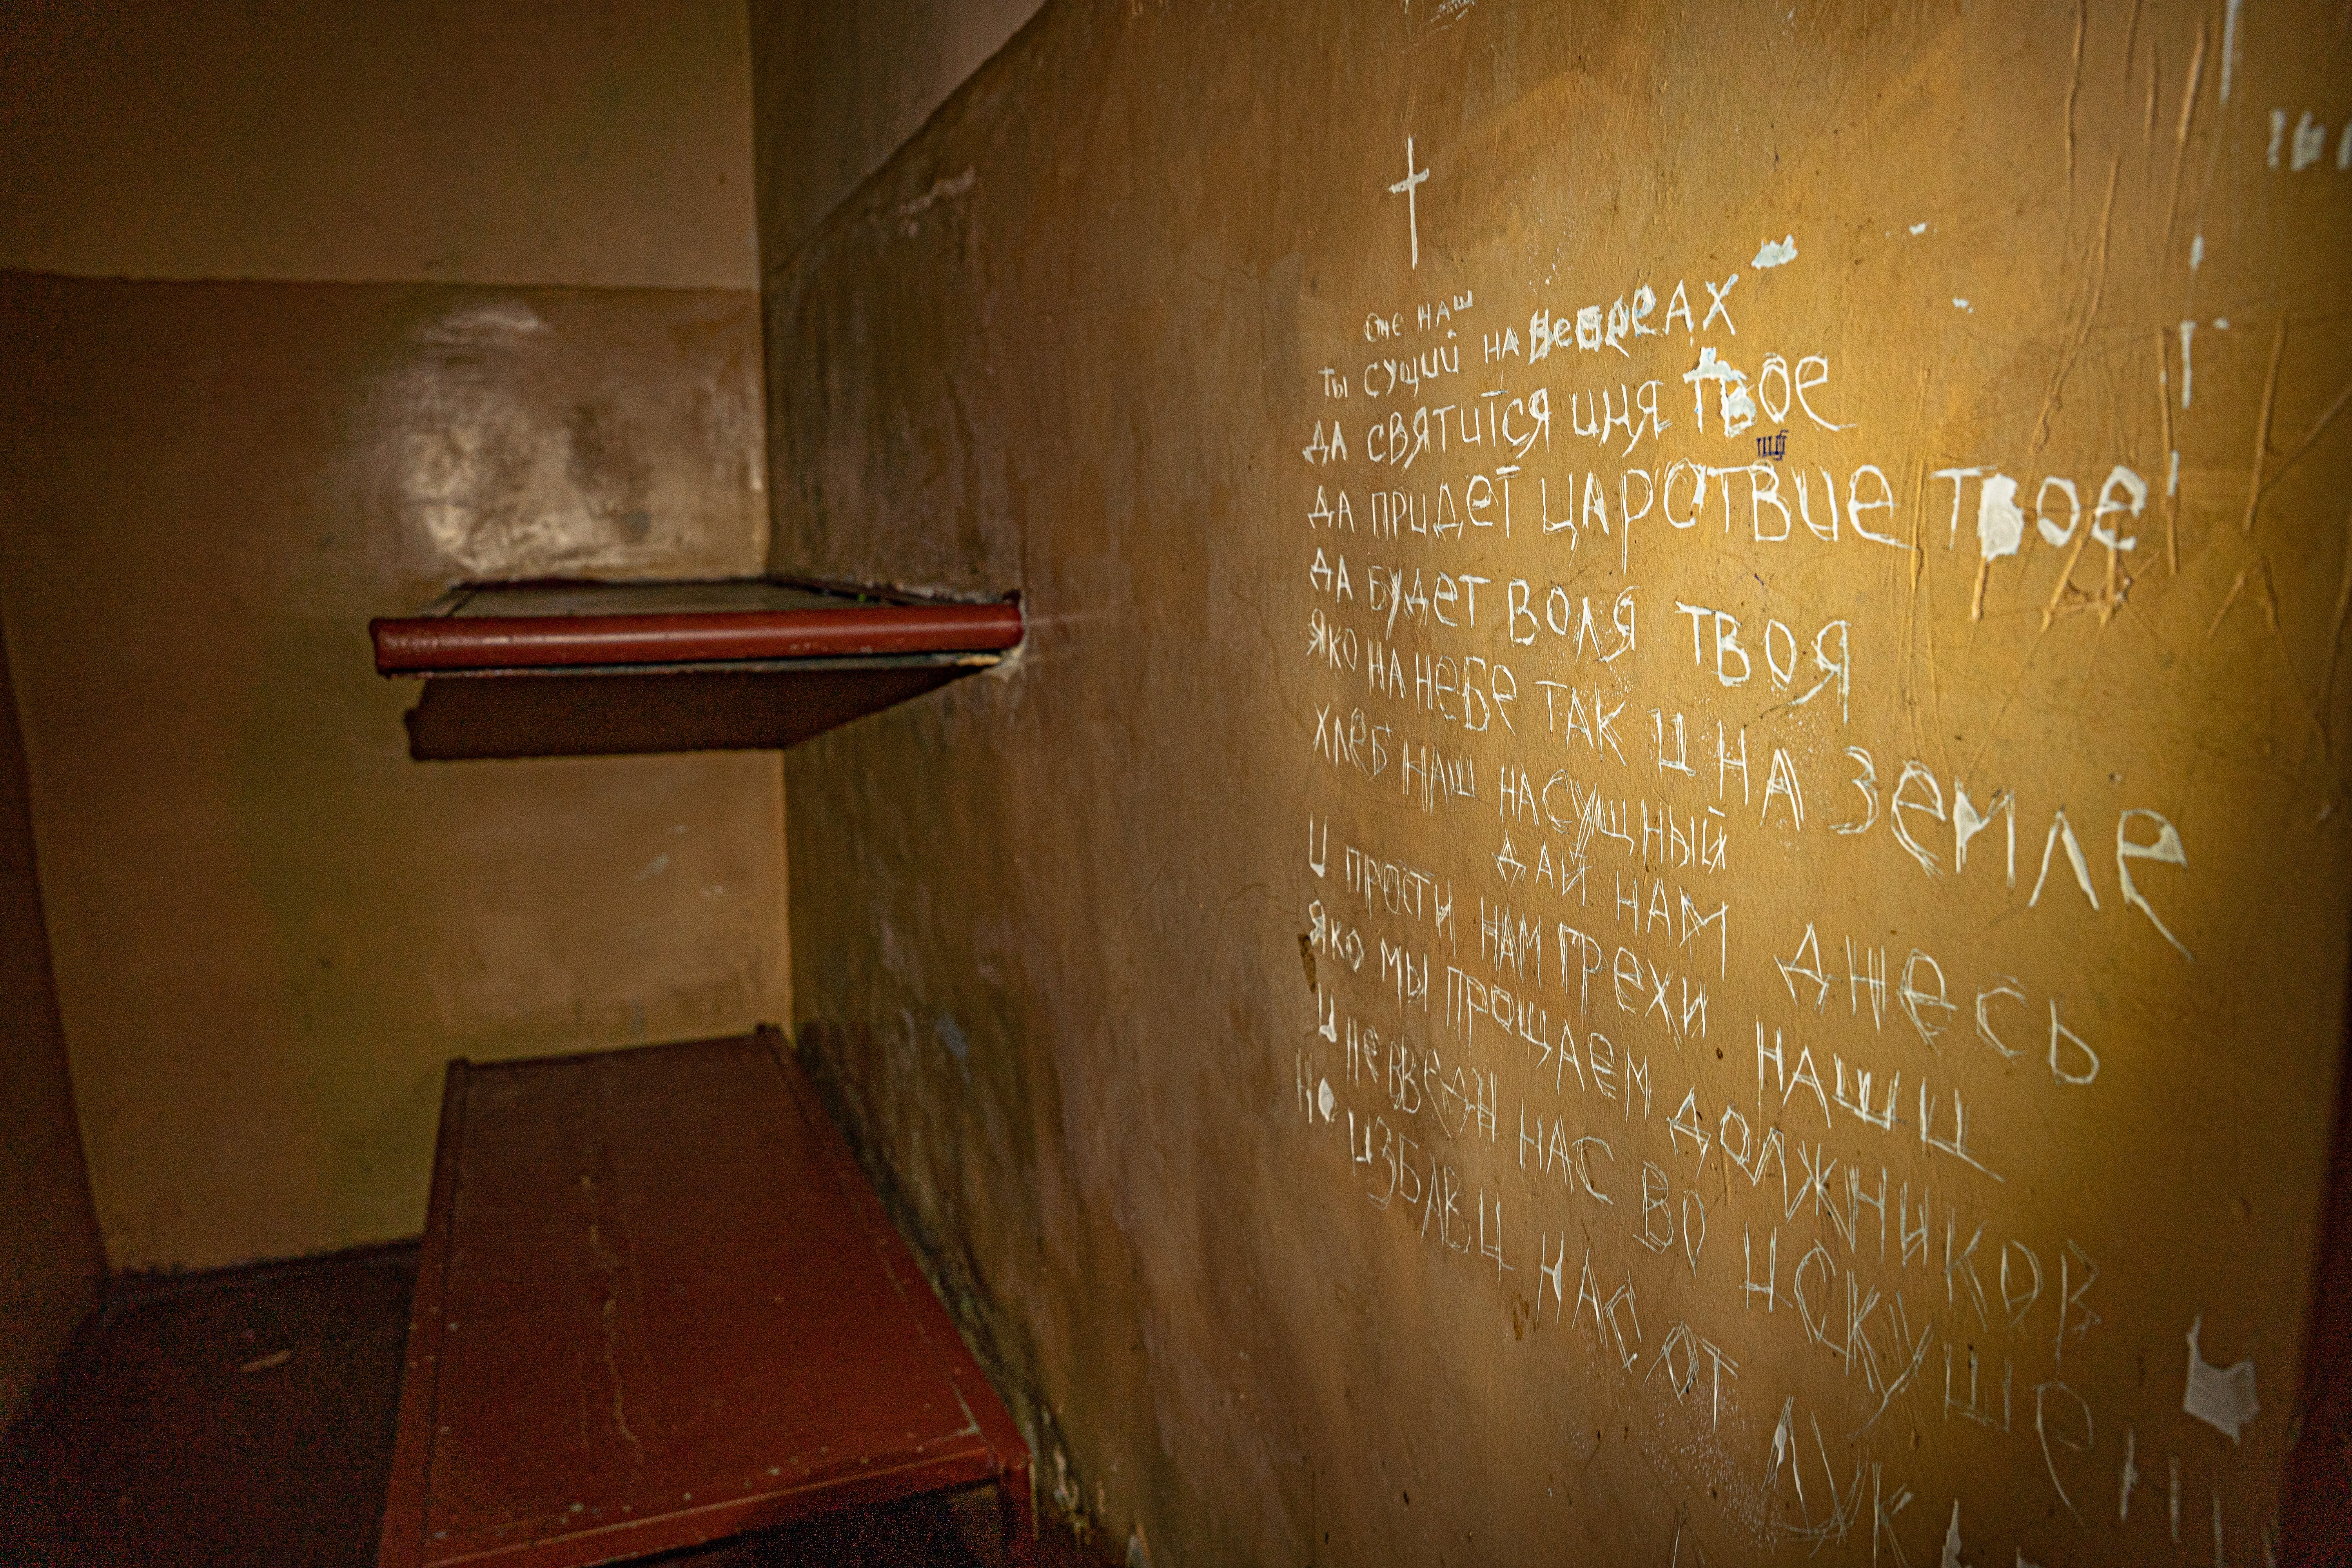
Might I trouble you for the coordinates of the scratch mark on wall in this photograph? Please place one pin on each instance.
(2090, 313)
(2188, 92)
(2262, 428)
(2172, 482)
(2111, 595)
(2008, 697)
(2319, 426)
(1918, 554)
(2181, 136)
(2312, 714)
(2270, 597)
(2067, 599)
(2043, 1432)
(2074, 85)
(2229, 47)
(2335, 630)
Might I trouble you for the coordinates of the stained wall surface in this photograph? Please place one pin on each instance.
(381, 300)
(50, 1261)
(1665, 877)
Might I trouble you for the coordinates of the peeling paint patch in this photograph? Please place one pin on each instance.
(942, 190)
(2222, 1399)
(2000, 522)
(497, 322)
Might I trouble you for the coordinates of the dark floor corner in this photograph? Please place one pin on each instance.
(246, 1417)
(243, 1416)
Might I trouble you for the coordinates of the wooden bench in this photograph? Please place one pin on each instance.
(658, 1305)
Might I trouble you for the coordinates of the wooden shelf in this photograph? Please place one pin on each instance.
(658, 1305)
(570, 668)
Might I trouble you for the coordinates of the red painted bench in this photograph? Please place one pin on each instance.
(658, 1305)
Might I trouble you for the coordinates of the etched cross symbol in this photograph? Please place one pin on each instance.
(1413, 179)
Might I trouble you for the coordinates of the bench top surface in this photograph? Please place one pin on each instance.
(659, 1304)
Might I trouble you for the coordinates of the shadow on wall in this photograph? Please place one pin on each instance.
(51, 1266)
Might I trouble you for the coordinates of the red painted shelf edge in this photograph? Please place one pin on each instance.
(427, 645)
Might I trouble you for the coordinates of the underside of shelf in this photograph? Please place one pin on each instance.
(568, 668)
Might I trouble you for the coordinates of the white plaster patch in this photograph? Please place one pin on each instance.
(2222, 1399)
(1737, 408)
(2000, 522)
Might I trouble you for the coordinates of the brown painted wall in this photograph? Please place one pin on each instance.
(50, 1261)
(840, 88)
(1203, 994)
(580, 141)
(271, 928)
(499, 319)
